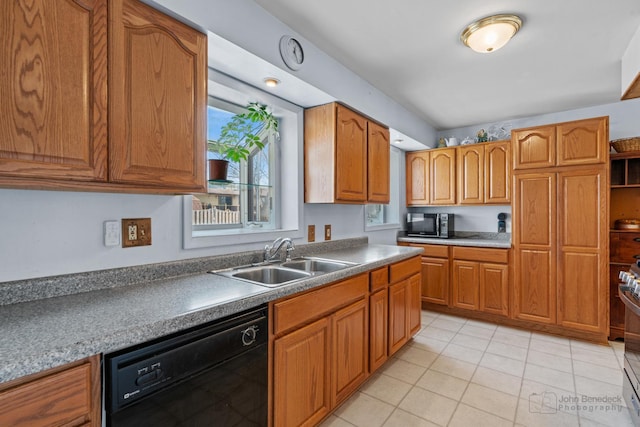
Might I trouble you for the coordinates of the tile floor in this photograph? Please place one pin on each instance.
(463, 372)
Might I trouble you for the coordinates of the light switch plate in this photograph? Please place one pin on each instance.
(311, 233)
(112, 233)
(327, 232)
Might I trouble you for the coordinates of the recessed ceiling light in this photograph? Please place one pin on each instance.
(271, 81)
(398, 141)
(491, 33)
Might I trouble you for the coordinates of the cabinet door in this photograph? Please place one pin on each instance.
(301, 391)
(497, 173)
(54, 89)
(398, 330)
(534, 226)
(350, 349)
(466, 284)
(494, 288)
(470, 168)
(66, 396)
(417, 178)
(378, 325)
(582, 262)
(583, 142)
(534, 147)
(157, 99)
(442, 164)
(351, 156)
(414, 305)
(378, 164)
(435, 280)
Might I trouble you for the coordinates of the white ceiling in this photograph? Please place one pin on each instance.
(566, 55)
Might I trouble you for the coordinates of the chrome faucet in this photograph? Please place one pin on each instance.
(270, 251)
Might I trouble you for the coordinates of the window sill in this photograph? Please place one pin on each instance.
(380, 227)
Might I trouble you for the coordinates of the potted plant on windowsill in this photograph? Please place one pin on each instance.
(239, 137)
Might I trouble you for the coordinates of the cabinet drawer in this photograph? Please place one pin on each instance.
(304, 308)
(58, 399)
(500, 256)
(403, 269)
(434, 251)
(624, 247)
(379, 278)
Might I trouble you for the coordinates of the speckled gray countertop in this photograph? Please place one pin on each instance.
(477, 239)
(45, 333)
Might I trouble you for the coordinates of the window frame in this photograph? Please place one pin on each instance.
(289, 180)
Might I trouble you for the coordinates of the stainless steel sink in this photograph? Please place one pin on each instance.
(317, 265)
(274, 275)
(266, 275)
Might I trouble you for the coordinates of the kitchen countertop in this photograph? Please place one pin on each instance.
(45, 333)
(480, 239)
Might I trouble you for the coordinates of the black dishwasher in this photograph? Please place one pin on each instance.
(211, 375)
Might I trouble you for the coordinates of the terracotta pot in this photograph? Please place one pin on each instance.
(218, 169)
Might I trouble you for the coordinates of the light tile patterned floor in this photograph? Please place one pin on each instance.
(463, 372)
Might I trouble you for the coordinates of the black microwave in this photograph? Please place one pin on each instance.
(421, 224)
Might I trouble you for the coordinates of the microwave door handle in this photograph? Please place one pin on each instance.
(438, 225)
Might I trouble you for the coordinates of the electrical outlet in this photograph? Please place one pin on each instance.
(327, 232)
(311, 233)
(111, 233)
(136, 232)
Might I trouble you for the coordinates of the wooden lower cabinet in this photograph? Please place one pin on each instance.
(404, 312)
(67, 396)
(398, 331)
(466, 286)
(378, 328)
(481, 280)
(301, 389)
(327, 341)
(435, 280)
(494, 288)
(349, 368)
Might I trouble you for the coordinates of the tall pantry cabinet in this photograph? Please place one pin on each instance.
(561, 175)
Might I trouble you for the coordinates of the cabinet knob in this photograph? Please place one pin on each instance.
(637, 239)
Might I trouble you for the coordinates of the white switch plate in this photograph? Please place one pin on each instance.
(112, 233)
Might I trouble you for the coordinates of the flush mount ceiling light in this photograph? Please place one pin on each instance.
(491, 33)
(271, 81)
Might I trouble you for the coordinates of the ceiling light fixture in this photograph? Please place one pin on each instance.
(398, 141)
(271, 81)
(491, 33)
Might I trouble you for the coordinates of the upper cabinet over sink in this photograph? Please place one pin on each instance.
(346, 157)
(111, 96)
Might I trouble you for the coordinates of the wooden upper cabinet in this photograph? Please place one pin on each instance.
(378, 164)
(442, 166)
(417, 170)
(54, 89)
(583, 142)
(534, 147)
(470, 168)
(580, 142)
(351, 156)
(338, 144)
(497, 173)
(157, 98)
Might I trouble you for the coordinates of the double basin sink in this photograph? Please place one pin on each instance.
(277, 274)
